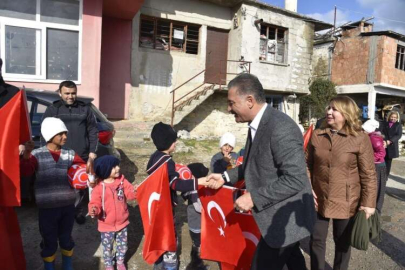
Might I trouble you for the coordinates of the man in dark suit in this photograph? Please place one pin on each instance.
(279, 192)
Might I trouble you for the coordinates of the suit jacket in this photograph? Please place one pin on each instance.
(392, 134)
(276, 177)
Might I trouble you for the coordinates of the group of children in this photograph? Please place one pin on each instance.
(55, 197)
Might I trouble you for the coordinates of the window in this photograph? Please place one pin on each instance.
(273, 44)
(400, 60)
(275, 101)
(161, 34)
(40, 39)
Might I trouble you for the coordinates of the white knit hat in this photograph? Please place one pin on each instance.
(52, 126)
(227, 138)
(370, 126)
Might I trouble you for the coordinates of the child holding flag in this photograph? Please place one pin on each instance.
(109, 203)
(54, 196)
(164, 137)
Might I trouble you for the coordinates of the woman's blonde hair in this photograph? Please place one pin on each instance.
(392, 112)
(350, 111)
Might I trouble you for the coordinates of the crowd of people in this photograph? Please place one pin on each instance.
(344, 170)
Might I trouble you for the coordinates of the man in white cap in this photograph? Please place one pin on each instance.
(225, 159)
(54, 196)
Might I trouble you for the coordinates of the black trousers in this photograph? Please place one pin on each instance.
(388, 162)
(81, 201)
(270, 258)
(382, 178)
(56, 224)
(341, 234)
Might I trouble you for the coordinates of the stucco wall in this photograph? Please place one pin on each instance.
(321, 60)
(115, 79)
(91, 50)
(155, 73)
(294, 75)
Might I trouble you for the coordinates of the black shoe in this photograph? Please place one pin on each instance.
(80, 219)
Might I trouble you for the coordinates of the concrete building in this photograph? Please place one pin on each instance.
(44, 42)
(186, 46)
(369, 66)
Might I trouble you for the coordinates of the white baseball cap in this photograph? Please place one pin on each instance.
(52, 126)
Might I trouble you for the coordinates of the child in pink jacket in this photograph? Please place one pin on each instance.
(109, 203)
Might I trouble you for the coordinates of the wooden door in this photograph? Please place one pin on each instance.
(217, 54)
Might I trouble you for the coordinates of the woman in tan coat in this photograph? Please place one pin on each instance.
(341, 167)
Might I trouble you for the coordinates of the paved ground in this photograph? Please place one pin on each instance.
(135, 150)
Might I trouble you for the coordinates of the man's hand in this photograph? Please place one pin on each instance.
(369, 211)
(244, 203)
(215, 181)
(92, 155)
(202, 181)
(21, 149)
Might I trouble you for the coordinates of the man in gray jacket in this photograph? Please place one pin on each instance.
(279, 192)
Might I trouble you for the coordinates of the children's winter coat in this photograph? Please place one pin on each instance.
(110, 200)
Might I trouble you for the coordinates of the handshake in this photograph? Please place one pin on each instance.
(213, 181)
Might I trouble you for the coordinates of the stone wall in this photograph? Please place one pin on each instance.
(211, 120)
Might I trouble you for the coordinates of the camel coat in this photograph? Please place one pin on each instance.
(342, 172)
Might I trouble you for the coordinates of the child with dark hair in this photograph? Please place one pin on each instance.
(164, 137)
(109, 203)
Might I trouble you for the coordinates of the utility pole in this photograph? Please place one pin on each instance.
(334, 23)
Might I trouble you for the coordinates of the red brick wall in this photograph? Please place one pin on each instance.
(350, 59)
(385, 66)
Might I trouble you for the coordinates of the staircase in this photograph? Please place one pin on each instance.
(186, 106)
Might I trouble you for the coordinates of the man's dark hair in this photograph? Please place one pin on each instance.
(248, 84)
(67, 84)
(1, 63)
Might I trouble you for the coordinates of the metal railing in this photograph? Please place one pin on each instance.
(244, 65)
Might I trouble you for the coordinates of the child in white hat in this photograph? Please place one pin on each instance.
(226, 158)
(54, 195)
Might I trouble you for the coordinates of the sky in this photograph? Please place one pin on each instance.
(388, 14)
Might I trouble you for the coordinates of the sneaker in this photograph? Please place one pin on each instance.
(80, 219)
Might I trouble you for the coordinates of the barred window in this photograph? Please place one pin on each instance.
(167, 35)
(273, 44)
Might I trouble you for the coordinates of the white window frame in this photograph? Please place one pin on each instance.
(41, 57)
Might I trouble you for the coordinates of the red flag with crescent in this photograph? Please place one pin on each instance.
(307, 136)
(14, 130)
(157, 217)
(252, 235)
(221, 237)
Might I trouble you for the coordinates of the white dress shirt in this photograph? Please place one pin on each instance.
(254, 125)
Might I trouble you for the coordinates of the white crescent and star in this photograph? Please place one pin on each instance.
(251, 237)
(213, 204)
(153, 197)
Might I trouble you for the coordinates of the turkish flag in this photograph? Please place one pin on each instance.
(14, 130)
(221, 238)
(157, 217)
(252, 235)
(307, 136)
